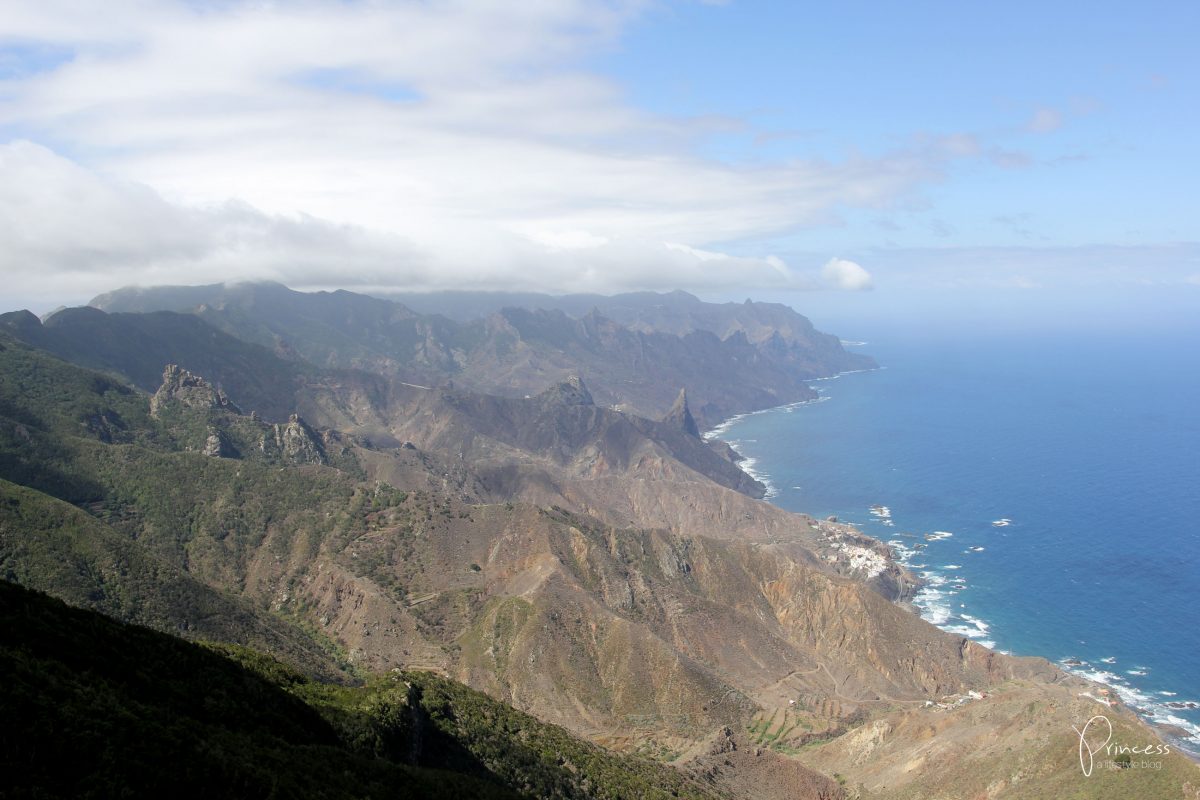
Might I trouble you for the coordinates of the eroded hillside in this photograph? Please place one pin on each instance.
(606, 572)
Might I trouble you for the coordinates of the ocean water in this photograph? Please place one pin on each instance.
(1046, 488)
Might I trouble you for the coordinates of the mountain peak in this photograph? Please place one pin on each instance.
(192, 391)
(22, 322)
(681, 416)
(296, 442)
(571, 392)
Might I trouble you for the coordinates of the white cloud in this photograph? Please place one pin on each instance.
(564, 240)
(60, 221)
(391, 144)
(843, 274)
(94, 232)
(1045, 120)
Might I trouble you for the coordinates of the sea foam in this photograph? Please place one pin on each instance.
(940, 598)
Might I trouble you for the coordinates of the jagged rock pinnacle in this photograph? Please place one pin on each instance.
(190, 390)
(681, 416)
(293, 441)
(217, 445)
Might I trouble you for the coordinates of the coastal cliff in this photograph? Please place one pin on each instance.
(608, 572)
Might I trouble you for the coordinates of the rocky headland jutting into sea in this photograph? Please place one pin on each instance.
(946, 496)
(523, 502)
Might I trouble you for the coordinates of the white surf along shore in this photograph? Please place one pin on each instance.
(749, 463)
(942, 585)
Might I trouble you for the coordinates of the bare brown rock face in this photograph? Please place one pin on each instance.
(605, 571)
(603, 629)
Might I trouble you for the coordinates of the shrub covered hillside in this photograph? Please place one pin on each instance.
(98, 708)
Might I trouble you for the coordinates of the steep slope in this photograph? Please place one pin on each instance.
(635, 370)
(640, 638)
(563, 427)
(138, 346)
(51, 545)
(730, 362)
(778, 334)
(500, 436)
(678, 313)
(559, 449)
(299, 540)
(116, 710)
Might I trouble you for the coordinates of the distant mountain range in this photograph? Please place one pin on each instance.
(636, 351)
(354, 488)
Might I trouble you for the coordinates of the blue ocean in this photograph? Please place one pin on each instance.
(1047, 488)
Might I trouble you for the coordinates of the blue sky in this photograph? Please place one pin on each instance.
(826, 152)
(1086, 114)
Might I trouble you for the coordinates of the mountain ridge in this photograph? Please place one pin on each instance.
(611, 573)
(753, 357)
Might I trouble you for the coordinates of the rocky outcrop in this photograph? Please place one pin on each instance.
(293, 441)
(681, 417)
(202, 418)
(617, 584)
(190, 391)
(571, 392)
(560, 430)
(217, 445)
(227, 432)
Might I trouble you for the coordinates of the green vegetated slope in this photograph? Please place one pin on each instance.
(98, 508)
(635, 637)
(138, 346)
(96, 708)
(52, 545)
(117, 517)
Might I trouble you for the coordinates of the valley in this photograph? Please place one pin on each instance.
(521, 504)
